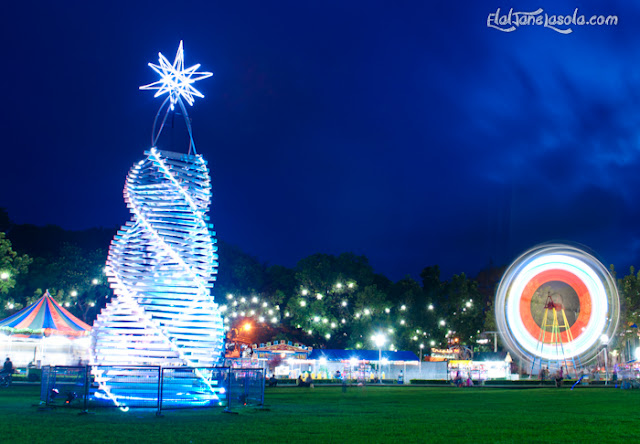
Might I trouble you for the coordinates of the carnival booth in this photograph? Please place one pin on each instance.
(361, 364)
(44, 333)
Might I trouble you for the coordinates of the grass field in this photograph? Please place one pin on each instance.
(363, 414)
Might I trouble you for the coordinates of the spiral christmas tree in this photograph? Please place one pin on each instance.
(162, 263)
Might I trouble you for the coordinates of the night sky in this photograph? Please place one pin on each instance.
(412, 134)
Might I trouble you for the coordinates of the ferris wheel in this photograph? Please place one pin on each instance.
(558, 304)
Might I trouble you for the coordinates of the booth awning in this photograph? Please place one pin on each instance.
(362, 355)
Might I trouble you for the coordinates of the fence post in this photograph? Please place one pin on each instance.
(51, 383)
(262, 379)
(86, 389)
(160, 388)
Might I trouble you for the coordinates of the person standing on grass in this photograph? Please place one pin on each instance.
(7, 368)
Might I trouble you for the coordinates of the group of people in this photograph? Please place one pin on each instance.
(459, 381)
(306, 382)
(558, 377)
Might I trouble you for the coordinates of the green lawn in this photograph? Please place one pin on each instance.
(325, 414)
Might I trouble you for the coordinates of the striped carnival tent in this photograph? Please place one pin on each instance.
(44, 333)
(45, 317)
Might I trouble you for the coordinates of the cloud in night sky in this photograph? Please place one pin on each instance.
(412, 134)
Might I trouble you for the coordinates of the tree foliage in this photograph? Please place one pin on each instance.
(12, 265)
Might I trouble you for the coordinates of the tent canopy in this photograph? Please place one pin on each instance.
(44, 317)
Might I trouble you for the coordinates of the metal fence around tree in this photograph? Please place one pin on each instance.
(151, 387)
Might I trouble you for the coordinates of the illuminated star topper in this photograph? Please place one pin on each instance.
(175, 79)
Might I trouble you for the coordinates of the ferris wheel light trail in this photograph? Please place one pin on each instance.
(594, 286)
(175, 80)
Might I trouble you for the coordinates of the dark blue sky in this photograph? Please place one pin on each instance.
(412, 134)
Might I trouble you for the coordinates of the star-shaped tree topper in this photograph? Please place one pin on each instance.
(175, 79)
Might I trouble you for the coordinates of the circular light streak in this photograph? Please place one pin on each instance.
(593, 285)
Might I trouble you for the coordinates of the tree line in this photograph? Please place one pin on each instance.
(326, 301)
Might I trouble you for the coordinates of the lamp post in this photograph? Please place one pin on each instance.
(495, 340)
(379, 339)
(420, 362)
(605, 340)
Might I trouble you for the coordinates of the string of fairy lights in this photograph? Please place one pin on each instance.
(299, 314)
(303, 312)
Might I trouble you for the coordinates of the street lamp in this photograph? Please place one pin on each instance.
(604, 339)
(420, 362)
(379, 339)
